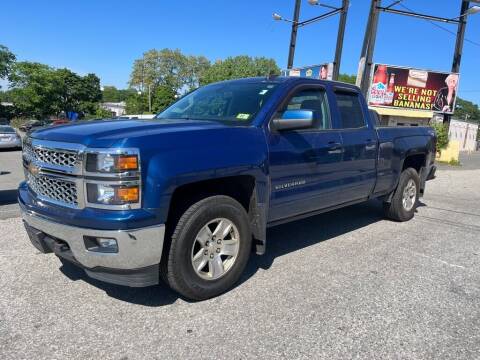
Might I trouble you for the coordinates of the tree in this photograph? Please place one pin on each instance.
(162, 97)
(7, 59)
(40, 91)
(34, 90)
(112, 94)
(136, 104)
(350, 79)
(466, 110)
(239, 67)
(169, 68)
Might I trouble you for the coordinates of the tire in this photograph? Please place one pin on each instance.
(178, 267)
(398, 209)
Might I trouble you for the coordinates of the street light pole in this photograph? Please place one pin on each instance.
(293, 35)
(340, 36)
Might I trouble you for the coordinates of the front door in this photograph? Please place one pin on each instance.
(304, 164)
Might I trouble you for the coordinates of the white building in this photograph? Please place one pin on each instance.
(465, 133)
(116, 108)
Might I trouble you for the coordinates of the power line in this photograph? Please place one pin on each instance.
(442, 27)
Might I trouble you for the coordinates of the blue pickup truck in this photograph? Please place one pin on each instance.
(187, 196)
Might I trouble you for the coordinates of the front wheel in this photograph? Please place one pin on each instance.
(209, 248)
(405, 198)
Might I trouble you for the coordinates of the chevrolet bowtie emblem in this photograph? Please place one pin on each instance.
(33, 169)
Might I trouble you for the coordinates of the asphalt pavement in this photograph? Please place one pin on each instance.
(342, 285)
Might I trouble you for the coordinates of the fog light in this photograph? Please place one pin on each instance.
(100, 244)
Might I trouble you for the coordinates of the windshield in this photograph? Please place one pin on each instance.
(236, 102)
(7, 130)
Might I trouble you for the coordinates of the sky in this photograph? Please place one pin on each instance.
(105, 36)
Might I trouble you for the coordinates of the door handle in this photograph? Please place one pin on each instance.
(370, 144)
(335, 147)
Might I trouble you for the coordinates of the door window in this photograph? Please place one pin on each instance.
(351, 113)
(314, 100)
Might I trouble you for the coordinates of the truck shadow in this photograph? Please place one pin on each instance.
(282, 239)
(8, 197)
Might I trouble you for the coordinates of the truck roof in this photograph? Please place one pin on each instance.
(290, 79)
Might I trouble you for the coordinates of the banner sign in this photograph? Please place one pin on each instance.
(407, 88)
(322, 71)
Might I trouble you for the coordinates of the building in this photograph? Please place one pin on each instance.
(402, 117)
(465, 133)
(116, 108)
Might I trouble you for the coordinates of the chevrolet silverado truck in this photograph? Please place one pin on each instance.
(187, 196)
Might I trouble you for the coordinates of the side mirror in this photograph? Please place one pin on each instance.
(294, 120)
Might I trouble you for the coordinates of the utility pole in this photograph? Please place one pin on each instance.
(340, 36)
(457, 55)
(293, 36)
(369, 46)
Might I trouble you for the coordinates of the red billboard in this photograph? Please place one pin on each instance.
(415, 89)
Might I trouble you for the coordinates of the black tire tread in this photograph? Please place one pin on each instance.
(167, 271)
(394, 210)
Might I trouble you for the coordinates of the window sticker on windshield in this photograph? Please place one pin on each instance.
(243, 116)
(263, 92)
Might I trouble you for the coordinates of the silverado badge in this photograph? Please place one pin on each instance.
(33, 169)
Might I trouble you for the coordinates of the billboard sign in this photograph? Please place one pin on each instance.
(321, 71)
(408, 88)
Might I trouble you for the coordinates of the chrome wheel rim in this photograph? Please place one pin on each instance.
(215, 249)
(409, 195)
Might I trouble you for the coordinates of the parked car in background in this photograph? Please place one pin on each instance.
(9, 139)
(60, 122)
(34, 124)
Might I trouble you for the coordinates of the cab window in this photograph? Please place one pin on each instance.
(314, 100)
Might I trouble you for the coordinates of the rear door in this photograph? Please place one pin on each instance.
(359, 139)
(304, 164)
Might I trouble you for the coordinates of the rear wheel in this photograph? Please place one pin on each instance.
(209, 248)
(405, 198)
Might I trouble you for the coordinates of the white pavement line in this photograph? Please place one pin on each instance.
(434, 258)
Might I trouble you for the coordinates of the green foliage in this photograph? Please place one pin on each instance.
(161, 98)
(7, 59)
(98, 113)
(136, 104)
(442, 135)
(350, 79)
(466, 110)
(167, 67)
(39, 91)
(112, 94)
(239, 67)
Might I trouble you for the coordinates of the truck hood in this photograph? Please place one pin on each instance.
(108, 133)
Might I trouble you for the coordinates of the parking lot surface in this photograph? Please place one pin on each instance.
(346, 284)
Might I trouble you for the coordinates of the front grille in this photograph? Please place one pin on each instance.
(50, 156)
(53, 188)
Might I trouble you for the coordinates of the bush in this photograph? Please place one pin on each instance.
(442, 135)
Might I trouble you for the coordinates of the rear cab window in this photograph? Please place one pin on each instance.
(350, 110)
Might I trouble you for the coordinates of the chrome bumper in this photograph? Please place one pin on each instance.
(137, 248)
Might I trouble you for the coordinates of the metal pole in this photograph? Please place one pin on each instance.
(293, 36)
(340, 36)
(149, 98)
(457, 56)
(370, 47)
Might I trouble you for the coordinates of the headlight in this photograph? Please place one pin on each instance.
(113, 194)
(112, 163)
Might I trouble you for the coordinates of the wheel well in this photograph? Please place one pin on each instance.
(238, 187)
(416, 161)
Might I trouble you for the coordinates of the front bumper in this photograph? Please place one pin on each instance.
(135, 264)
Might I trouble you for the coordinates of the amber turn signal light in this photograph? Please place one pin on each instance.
(127, 194)
(126, 162)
